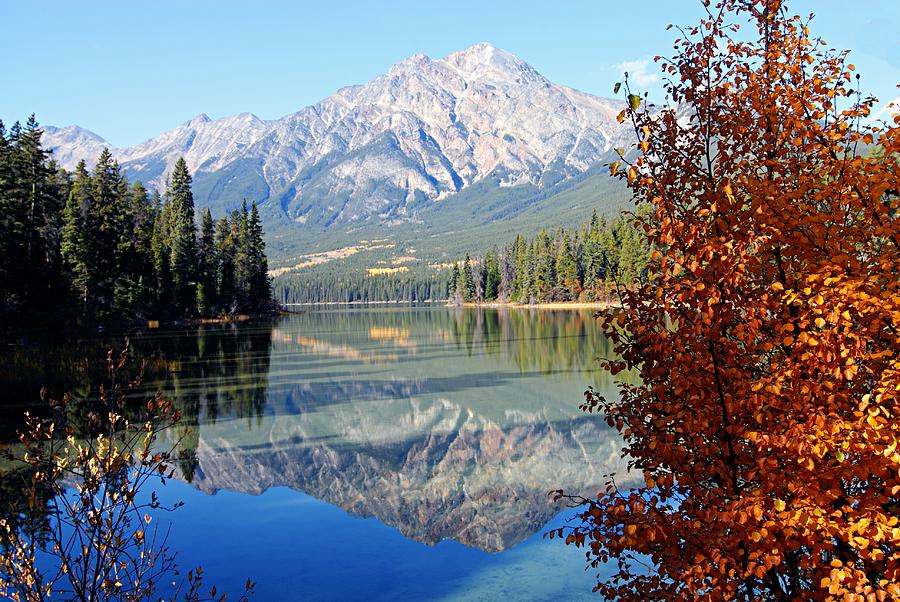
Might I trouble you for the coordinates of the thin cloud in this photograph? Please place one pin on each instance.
(888, 109)
(641, 72)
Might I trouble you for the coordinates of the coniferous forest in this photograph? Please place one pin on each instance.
(585, 264)
(341, 286)
(90, 246)
(582, 265)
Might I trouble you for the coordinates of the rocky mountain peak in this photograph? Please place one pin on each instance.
(72, 144)
(420, 133)
(486, 60)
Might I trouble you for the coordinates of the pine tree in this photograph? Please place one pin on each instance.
(27, 206)
(544, 268)
(140, 254)
(162, 262)
(126, 279)
(206, 264)
(35, 182)
(520, 280)
(76, 239)
(260, 287)
(468, 281)
(7, 268)
(225, 276)
(567, 284)
(243, 267)
(107, 225)
(183, 244)
(454, 282)
(491, 275)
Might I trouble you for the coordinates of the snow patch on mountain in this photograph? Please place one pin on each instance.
(427, 128)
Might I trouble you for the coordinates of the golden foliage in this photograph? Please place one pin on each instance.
(385, 271)
(85, 530)
(766, 425)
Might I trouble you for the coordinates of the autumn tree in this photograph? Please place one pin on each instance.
(764, 435)
(83, 528)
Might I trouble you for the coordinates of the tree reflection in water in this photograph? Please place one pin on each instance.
(444, 423)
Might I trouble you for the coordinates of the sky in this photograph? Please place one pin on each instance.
(129, 71)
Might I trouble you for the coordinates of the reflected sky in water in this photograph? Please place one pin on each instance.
(382, 453)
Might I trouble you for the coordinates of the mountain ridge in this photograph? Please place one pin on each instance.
(425, 127)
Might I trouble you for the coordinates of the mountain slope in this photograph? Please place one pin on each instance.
(397, 150)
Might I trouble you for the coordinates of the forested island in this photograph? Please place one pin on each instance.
(91, 247)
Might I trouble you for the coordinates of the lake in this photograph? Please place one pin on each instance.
(371, 453)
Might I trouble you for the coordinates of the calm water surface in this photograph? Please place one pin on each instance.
(366, 454)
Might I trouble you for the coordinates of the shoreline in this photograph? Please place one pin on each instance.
(489, 305)
(547, 305)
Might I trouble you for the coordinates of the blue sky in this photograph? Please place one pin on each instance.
(131, 70)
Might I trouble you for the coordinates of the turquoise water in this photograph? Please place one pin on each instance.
(389, 453)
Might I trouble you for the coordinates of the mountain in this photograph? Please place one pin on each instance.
(73, 144)
(395, 150)
(472, 484)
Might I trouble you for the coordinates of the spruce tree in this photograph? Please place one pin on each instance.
(141, 258)
(12, 228)
(162, 262)
(243, 259)
(225, 276)
(105, 228)
(260, 287)
(206, 265)
(32, 163)
(520, 266)
(544, 268)
(491, 275)
(183, 233)
(77, 242)
(27, 207)
(566, 272)
(127, 281)
(454, 282)
(468, 281)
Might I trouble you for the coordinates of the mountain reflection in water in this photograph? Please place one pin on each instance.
(442, 423)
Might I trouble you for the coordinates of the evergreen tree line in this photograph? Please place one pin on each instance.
(581, 265)
(91, 245)
(342, 287)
